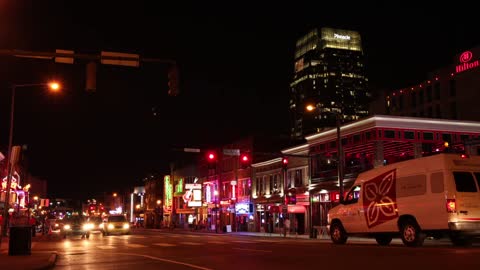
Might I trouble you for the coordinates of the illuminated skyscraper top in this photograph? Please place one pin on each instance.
(329, 79)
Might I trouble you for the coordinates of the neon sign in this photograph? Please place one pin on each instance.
(466, 64)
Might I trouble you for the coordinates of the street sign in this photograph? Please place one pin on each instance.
(107, 58)
(192, 150)
(231, 152)
(65, 60)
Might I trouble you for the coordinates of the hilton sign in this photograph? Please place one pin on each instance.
(466, 63)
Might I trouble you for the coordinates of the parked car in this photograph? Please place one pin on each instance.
(75, 225)
(116, 224)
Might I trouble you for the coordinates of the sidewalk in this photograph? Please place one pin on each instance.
(36, 261)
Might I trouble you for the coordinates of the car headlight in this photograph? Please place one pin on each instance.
(101, 226)
(67, 227)
(126, 226)
(56, 225)
(110, 226)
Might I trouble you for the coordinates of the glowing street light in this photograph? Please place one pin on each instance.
(52, 86)
(310, 107)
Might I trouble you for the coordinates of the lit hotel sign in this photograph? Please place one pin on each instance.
(466, 63)
(344, 37)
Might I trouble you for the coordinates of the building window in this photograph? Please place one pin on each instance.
(368, 135)
(453, 88)
(298, 178)
(437, 91)
(429, 93)
(438, 112)
(389, 134)
(409, 135)
(428, 136)
(272, 187)
(356, 138)
(453, 110)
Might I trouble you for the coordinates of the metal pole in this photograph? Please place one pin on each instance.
(310, 198)
(340, 158)
(9, 165)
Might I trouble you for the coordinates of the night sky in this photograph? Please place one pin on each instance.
(236, 63)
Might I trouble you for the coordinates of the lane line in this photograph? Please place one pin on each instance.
(191, 243)
(249, 249)
(165, 260)
(164, 244)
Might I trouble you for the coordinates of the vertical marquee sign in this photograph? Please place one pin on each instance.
(168, 193)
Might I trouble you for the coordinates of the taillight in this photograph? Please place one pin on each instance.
(464, 156)
(451, 205)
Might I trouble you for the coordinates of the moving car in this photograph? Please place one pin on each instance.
(95, 224)
(75, 225)
(116, 224)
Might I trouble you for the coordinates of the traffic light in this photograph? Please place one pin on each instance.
(173, 80)
(284, 163)
(211, 159)
(245, 160)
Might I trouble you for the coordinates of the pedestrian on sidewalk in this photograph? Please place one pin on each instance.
(286, 227)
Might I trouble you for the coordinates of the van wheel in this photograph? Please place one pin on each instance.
(383, 239)
(338, 234)
(459, 240)
(411, 234)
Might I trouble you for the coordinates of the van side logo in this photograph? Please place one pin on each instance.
(380, 199)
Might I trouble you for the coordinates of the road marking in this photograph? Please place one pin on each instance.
(135, 245)
(249, 249)
(105, 247)
(216, 242)
(166, 260)
(191, 243)
(164, 244)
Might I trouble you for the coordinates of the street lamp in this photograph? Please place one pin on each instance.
(340, 165)
(53, 87)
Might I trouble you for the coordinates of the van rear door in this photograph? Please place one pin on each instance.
(467, 199)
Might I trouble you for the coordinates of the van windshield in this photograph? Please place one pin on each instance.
(465, 182)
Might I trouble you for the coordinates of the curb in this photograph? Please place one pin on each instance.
(51, 262)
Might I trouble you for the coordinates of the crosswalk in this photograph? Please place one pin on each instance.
(177, 243)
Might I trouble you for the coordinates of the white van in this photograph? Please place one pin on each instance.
(429, 196)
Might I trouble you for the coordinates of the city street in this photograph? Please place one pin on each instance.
(145, 249)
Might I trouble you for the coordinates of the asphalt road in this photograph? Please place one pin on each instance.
(144, 250)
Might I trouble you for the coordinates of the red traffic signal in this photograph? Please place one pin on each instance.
(284, 163)
(244, 161)
(211, 156)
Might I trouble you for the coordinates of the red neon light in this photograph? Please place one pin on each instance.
(466, 56)
(465, 63)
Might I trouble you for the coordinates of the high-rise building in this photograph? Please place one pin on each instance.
(329, 81)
